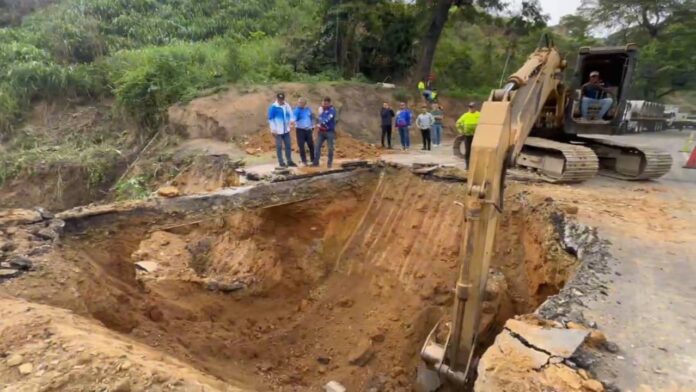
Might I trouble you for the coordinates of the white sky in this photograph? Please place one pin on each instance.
(557, 8)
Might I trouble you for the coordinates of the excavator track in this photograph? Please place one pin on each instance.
(628, 162)
(559, 162)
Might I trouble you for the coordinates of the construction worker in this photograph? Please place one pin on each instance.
(466, 126)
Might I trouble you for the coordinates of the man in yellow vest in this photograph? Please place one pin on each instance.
(466, 126)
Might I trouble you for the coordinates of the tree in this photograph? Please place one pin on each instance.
(440, 11)
(373, 38)
(663, 29)
(650, 15)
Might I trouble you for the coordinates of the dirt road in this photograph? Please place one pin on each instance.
(650, 309)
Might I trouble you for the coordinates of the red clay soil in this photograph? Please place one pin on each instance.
(342, 287)
(346, 146)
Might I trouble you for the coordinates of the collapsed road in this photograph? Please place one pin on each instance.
(287, 285)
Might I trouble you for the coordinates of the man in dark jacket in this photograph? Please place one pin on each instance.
(387, 115)
(327, 130)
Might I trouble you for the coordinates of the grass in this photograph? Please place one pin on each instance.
(96, 161)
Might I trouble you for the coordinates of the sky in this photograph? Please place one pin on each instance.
(557, 8)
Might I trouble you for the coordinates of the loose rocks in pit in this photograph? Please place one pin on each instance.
(341, 283)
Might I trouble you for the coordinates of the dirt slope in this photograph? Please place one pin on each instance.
(242, 111)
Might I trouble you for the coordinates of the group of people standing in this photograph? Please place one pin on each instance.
(282, 119)
(428, 122)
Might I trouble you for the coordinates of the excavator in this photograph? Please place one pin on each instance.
(551, 135)
(532, 121)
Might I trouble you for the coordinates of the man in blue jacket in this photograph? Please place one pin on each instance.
(280, 120)
(403, 121)
(327, 130)
(304, 126)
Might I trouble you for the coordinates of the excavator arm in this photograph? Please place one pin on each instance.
(507, 118)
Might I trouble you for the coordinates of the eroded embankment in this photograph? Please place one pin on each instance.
(284, 286)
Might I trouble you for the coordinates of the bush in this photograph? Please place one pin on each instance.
(147, 81)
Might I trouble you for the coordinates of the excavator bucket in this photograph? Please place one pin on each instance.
(433, 355)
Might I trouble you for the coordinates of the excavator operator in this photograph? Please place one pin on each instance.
(592, 92)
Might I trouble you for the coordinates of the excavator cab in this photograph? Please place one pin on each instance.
(615, 66)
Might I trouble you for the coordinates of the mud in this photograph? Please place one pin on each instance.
(277, 287)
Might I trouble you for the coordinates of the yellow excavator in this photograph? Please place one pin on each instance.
(551, 134)
(533, 101)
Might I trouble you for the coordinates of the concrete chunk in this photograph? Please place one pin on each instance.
(147, 266)
(511, 346)
(555, 341)
(334, 386)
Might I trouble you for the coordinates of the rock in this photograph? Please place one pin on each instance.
(253, 176)
(8, 273)
(596, 339)
(39, 250)
(225, 287)
(121, 386)
(250, 151)
(155, 314)
(361, 353)
(14, 360)
(44, 213)
(556, 341)
(571, 210)
(47, 234)
(160, 378)
(125, 365)
(168, 191)
(57, 225)
(20, 263)
(323, 360)
(346, 303)
(378, 337)
(230, 287)
(6, 246)
(13, 217)
(611, 347)
(26, 368)
(147, 266)
(334, 386)
(593, 386)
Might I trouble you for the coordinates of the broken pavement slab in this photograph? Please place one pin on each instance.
(557, 342)
(361, 354)
(19, 217)
(147, 266)
(527, 354)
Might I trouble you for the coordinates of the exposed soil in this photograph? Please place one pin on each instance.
(240, 111)
(67, 182)
(341, 285)
(346, 146)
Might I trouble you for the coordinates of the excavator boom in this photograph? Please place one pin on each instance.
(506, 121)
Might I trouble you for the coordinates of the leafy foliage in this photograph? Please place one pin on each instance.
(664, 30)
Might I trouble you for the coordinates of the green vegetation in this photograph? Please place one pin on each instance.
(150, 53)
(133, 188)
(147, 53)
